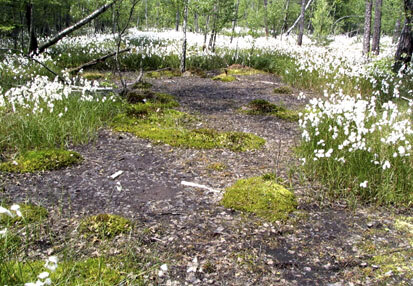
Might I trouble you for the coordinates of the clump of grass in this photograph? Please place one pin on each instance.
(361, 151)
(73, 119)
(105, 226)
(224, 77)
(264, 107)
(285, 89)
(88, 272)
(261, 196)
(41, 160)
(30, 214)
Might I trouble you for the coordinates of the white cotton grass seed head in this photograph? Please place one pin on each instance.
(51, 263)
(16, 209)
(6, 212)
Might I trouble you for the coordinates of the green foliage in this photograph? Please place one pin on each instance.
(105, 226)
(41, 160)
(261, 196)
(322, 21)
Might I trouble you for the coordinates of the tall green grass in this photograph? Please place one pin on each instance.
(73, 121)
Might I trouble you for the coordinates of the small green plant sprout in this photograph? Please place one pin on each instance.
(224, 77)
(105, 226)
(217, 166)
(261, 196)
(284, 89)
(41, 160)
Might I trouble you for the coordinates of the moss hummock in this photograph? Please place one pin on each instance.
(166, 127)
(104, 226)
(262, 197)
(283, 90)
(224, 77)
(154, 120)
(264, 107)
(167, 73)
(42, 160)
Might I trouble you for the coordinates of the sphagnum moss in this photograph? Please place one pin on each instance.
(105, 226)
(264, 107)
(260, 196)
(154, 120)
(42, 160)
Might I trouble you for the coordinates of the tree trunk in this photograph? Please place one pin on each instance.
(75, 27)
(234, 21)
(284, 26)
(177, 18)
(299, 18)
(302, 18)
(33, 45)
(375, 47)
(206, 33)
(266, 17)
(196, 23)
(405, 47)
(146, 14)
(183, 58)
(157, 15)
(396, 32)
(367, 28)
(113, 20)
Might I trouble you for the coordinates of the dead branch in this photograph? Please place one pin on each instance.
(75, 27)
(96, 61)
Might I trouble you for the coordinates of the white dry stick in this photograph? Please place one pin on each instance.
(266, 82)
(195, 185)
(117, 174)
